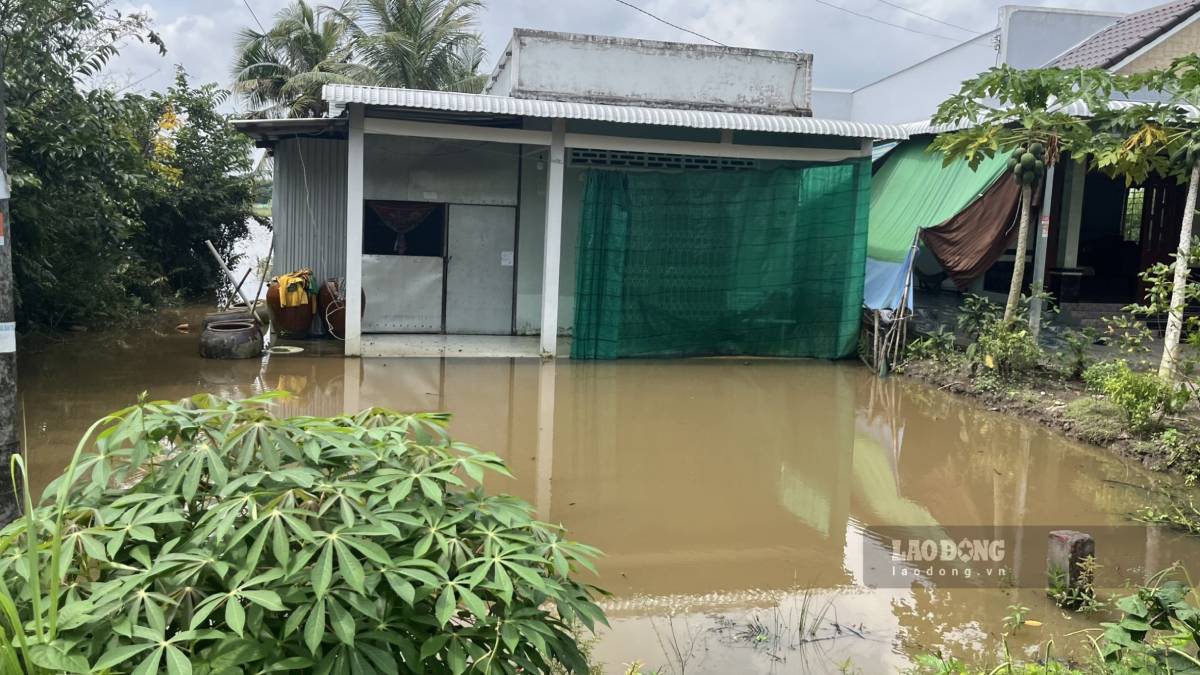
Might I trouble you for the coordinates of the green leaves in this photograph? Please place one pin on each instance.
(254, 542)
(322, 572)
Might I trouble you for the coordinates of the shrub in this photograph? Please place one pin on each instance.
(937, 346)
(1076, 344)
(1006, 347)
(977, 313)
(1144, 398)
(1096, 375)
(209, 536)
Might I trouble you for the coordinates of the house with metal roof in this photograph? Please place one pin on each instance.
(1096, 234)
(644, 199)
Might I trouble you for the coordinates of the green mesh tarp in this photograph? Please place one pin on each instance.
(766, 263)
(913, 190)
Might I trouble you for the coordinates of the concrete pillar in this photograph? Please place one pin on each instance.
(553, 238)
(1066, 551)
(1041, 243)
(354, 227)
(1076, 177)
(545, 441)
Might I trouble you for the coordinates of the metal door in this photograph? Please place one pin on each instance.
(479, 278)
(404, 294)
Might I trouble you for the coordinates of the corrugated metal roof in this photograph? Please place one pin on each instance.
(1124, 37)
(264, 129)
(340, 94)
(1076, 109)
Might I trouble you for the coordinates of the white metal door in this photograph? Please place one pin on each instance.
(479, 278)
(404, 294)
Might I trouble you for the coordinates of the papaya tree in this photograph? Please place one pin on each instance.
(1024, 113)
(1160, 137)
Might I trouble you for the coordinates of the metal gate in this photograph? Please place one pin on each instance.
(481, 250)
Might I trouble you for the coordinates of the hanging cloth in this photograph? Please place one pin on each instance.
(296, 288)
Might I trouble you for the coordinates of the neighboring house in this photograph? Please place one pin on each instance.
(1025, 37)
(647, 198)
(1101, 234)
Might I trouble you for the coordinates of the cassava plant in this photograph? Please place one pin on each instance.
(209, 536)
(1023, 113)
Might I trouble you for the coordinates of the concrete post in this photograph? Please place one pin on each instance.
(1074, 216)
(1039, 254)
(354, 227)
(1066, 552)
(553, 239)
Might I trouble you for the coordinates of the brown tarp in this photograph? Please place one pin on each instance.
(967, 244)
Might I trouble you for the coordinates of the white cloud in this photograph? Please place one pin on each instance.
(848, 51)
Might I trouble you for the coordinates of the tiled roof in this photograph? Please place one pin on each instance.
(1128, 34)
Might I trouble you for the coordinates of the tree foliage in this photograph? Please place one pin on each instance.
(108, 205)
(1005, 109)
(417, 44)
(1137, 139)
(1161, 137)
(209, 536)
(280, 72)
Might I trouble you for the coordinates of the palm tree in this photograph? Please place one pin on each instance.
(281, 72)
(418, 44)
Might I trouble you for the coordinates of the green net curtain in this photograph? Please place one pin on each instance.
(703, 263)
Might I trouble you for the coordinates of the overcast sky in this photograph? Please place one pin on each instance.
(849, 51)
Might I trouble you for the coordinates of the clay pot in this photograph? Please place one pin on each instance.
(231, 340)
(332, 310)
(260, 310)
(234, 313)
(293, 322)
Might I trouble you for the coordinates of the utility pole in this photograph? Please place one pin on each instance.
(10, 443)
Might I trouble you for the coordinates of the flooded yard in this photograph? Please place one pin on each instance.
(742, 505)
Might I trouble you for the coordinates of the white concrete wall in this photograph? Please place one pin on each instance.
(609, 69)
(1033, 37)
(832, 104)
(1030, 37)
(914, 93)
(427, 170)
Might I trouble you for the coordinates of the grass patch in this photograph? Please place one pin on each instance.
(1096, 420)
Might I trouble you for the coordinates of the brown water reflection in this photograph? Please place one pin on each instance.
(719, 490)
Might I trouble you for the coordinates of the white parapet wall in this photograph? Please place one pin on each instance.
(604, 69)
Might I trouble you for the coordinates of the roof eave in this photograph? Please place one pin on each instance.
(436, 101)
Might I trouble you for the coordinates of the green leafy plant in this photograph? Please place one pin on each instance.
(209, 536)
(1006, 347)
(1015, 618)
(1144, 398)
(976, 313)
(937, 346)
(1098, 374)
(1159, 630)
(1075, 356)
(1080, 597)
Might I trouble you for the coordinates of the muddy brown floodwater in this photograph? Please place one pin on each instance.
(742, 505)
